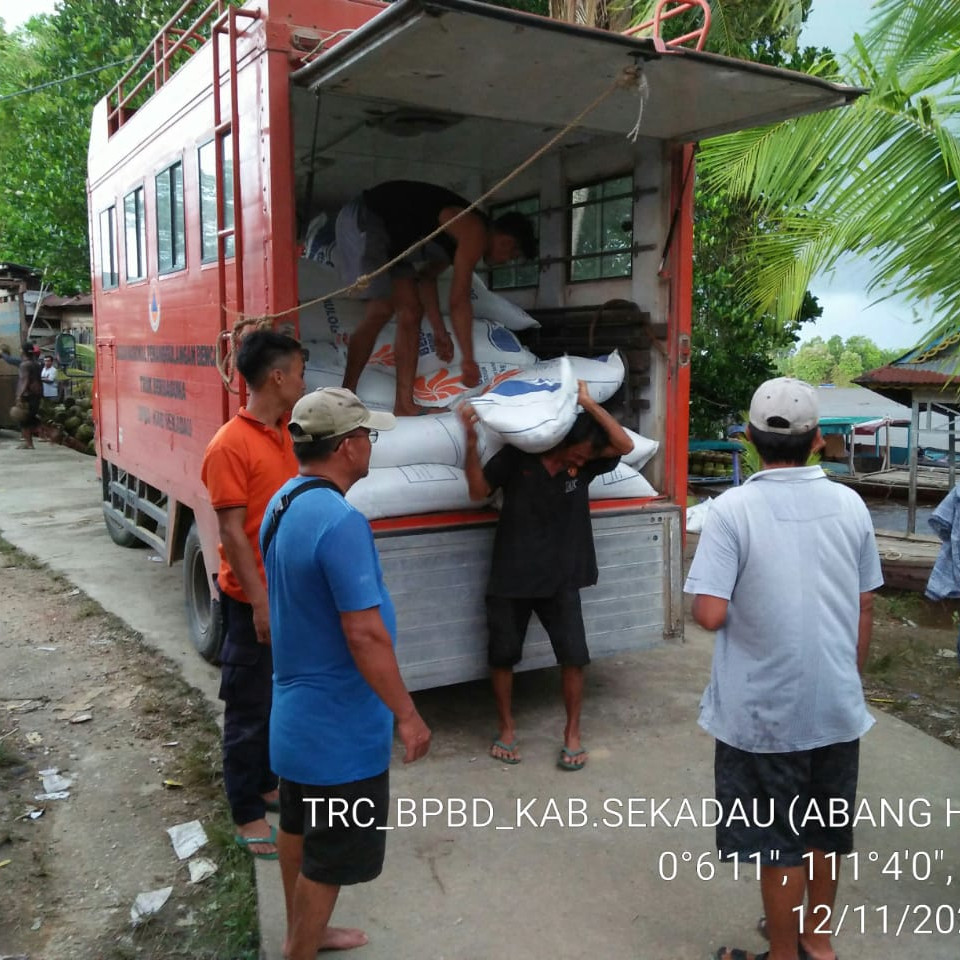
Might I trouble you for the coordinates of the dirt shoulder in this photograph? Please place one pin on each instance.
(913, 671)
(82, 695)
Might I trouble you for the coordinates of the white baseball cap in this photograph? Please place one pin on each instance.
(784, 405)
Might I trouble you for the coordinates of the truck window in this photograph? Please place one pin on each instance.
(601, 230)
(515, 275)
(135, 235)
(171, 253)
(207, 164)
(109, 276)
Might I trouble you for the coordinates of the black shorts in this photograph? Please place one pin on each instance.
(32, 413)
(775, 793)
(341, 842)
(561, 616)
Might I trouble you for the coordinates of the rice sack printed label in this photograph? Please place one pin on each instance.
(602, 375)
(487, 304)
(643, 450)
(438, 439)
(384, 354)
(412, 489)
(623, 482)
(528, 411)
(445, 386)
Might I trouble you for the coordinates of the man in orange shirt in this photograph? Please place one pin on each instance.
(249, 458)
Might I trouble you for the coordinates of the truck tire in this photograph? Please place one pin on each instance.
(203, 610)
(120, 535)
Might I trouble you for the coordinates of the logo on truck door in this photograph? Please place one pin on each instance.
(154, 306)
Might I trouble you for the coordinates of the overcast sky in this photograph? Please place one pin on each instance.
(846, 305)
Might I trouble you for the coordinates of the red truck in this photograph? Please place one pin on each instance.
(238, 125)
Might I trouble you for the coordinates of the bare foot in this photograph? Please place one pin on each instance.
(470, 374)
(337, 938)
(257, 828)
(343, 938)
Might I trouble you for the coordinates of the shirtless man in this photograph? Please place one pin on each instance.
(383, 222)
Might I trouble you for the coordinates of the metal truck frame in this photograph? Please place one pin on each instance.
(239, 124)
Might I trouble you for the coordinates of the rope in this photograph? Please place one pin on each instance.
(630, 77)
(643, 91)
(232, 338)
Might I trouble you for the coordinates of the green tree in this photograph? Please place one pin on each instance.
(835, 346)
(878, 179)
(849, 365)
(871, 356)
(836, 360)
(813, 362)
(52, 72)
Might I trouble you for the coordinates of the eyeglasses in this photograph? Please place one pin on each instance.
(361, 431)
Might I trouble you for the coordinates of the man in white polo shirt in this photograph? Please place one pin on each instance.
(784, 572)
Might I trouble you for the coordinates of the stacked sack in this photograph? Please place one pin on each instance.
(417, 468)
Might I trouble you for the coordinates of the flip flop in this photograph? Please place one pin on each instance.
(737, 954)
(509, 748)
(245, 842)
(568, 759)
(765, 933)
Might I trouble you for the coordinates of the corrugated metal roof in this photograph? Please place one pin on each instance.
(78, 300)
(927, 374)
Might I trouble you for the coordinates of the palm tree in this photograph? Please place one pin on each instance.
(878, 180)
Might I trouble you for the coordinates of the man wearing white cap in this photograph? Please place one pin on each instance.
(784, 572)
(336, 683)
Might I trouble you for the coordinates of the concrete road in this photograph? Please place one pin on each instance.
(605, 863)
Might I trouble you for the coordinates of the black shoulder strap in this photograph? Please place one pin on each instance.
(281, 508)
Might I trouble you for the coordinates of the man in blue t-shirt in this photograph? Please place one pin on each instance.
(336, 683)
(784, 572)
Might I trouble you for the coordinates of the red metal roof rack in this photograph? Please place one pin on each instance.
(661, 13)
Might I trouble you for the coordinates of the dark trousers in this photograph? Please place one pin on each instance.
(246, 689)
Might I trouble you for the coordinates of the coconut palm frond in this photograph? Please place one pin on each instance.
(877, 179)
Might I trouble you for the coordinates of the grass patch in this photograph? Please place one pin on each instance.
(12, 556)
(225, 906)
(901, 605)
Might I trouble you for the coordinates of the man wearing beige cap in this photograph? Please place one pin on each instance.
(336, 683)
(784, 572)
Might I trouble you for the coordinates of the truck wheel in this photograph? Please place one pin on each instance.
(203, 611)
(120, 535)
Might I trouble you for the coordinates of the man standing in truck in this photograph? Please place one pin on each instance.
(247, 461)
(543, 553)
(378, 226)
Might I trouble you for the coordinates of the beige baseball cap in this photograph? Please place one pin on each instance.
(332, 412)
(785, 405)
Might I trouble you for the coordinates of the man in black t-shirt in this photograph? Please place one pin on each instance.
(543, 554)
(383, 222)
